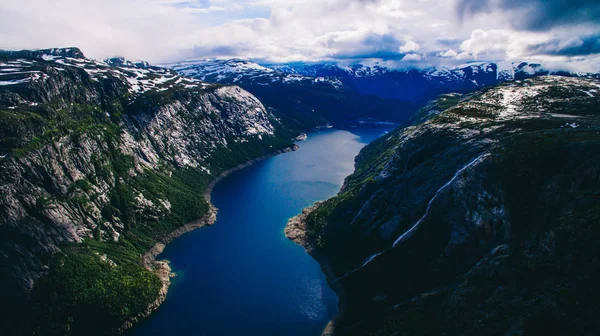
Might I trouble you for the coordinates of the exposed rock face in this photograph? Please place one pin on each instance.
(482, 220)
(161, 267)
(326, 92)
(81, 139)
(295, 229)
(307, 100)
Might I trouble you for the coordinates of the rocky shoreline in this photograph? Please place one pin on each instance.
(161, 267)
(295, 231)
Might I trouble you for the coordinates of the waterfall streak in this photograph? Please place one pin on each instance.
(412, 230)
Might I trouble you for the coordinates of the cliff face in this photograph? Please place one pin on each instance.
(315, 93)
(307, 101)
(481, 220)
(110, 157)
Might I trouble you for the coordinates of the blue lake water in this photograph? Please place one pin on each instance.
(241, 276)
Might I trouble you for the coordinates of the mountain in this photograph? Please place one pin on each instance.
(329, 93)
(421, 85)
(481, 218)
(485, 206)
(100, 161)
(240, 71)
(310, 101)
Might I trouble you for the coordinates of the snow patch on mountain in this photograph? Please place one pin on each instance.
(141, 76)
(241, 71)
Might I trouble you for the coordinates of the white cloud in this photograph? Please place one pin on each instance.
(209, 9)
(464, 56)
(135, 28)
(486, 41)
(448, 53)
(502, 44)
(270, 29)
(412, 57)
(274, 30)
(409, 46)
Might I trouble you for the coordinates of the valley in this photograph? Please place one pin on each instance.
(476, 193)
(99, 163)
(240, 275)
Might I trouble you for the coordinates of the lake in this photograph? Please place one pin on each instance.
(241, 276)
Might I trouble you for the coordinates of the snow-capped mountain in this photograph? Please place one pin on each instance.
(407, 85)
(316, 93)
(93, 153)
(240, 71)
(308, 99)
(417, 84)
(473, 72)
(332, 70)
(28, 66)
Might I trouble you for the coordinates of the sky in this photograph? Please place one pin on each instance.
(563, 34)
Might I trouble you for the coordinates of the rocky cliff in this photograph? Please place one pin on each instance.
(307, 100)
(480, 219)
(98, 162)
(315, 93)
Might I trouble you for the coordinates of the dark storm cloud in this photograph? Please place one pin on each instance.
(537, 15)
(572, 47)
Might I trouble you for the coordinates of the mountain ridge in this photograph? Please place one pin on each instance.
(100, 162)
(463, 211)
(376, 93)
(309, 101)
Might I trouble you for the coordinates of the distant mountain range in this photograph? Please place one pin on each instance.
(479, 218)
(375, 92)
(310, 101)
(24, 67)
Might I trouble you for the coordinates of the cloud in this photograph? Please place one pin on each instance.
(101, 29)
(536, 15)
(448, 53)
(203, 10)
(570, 46)
(511, 45)
(408, 47)
(412, 57)
(464, 56)
(486, 42)
(279, 30)
(402, 32)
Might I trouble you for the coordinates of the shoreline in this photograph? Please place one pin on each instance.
(295, 230)
(224, 174)
(161, 267)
